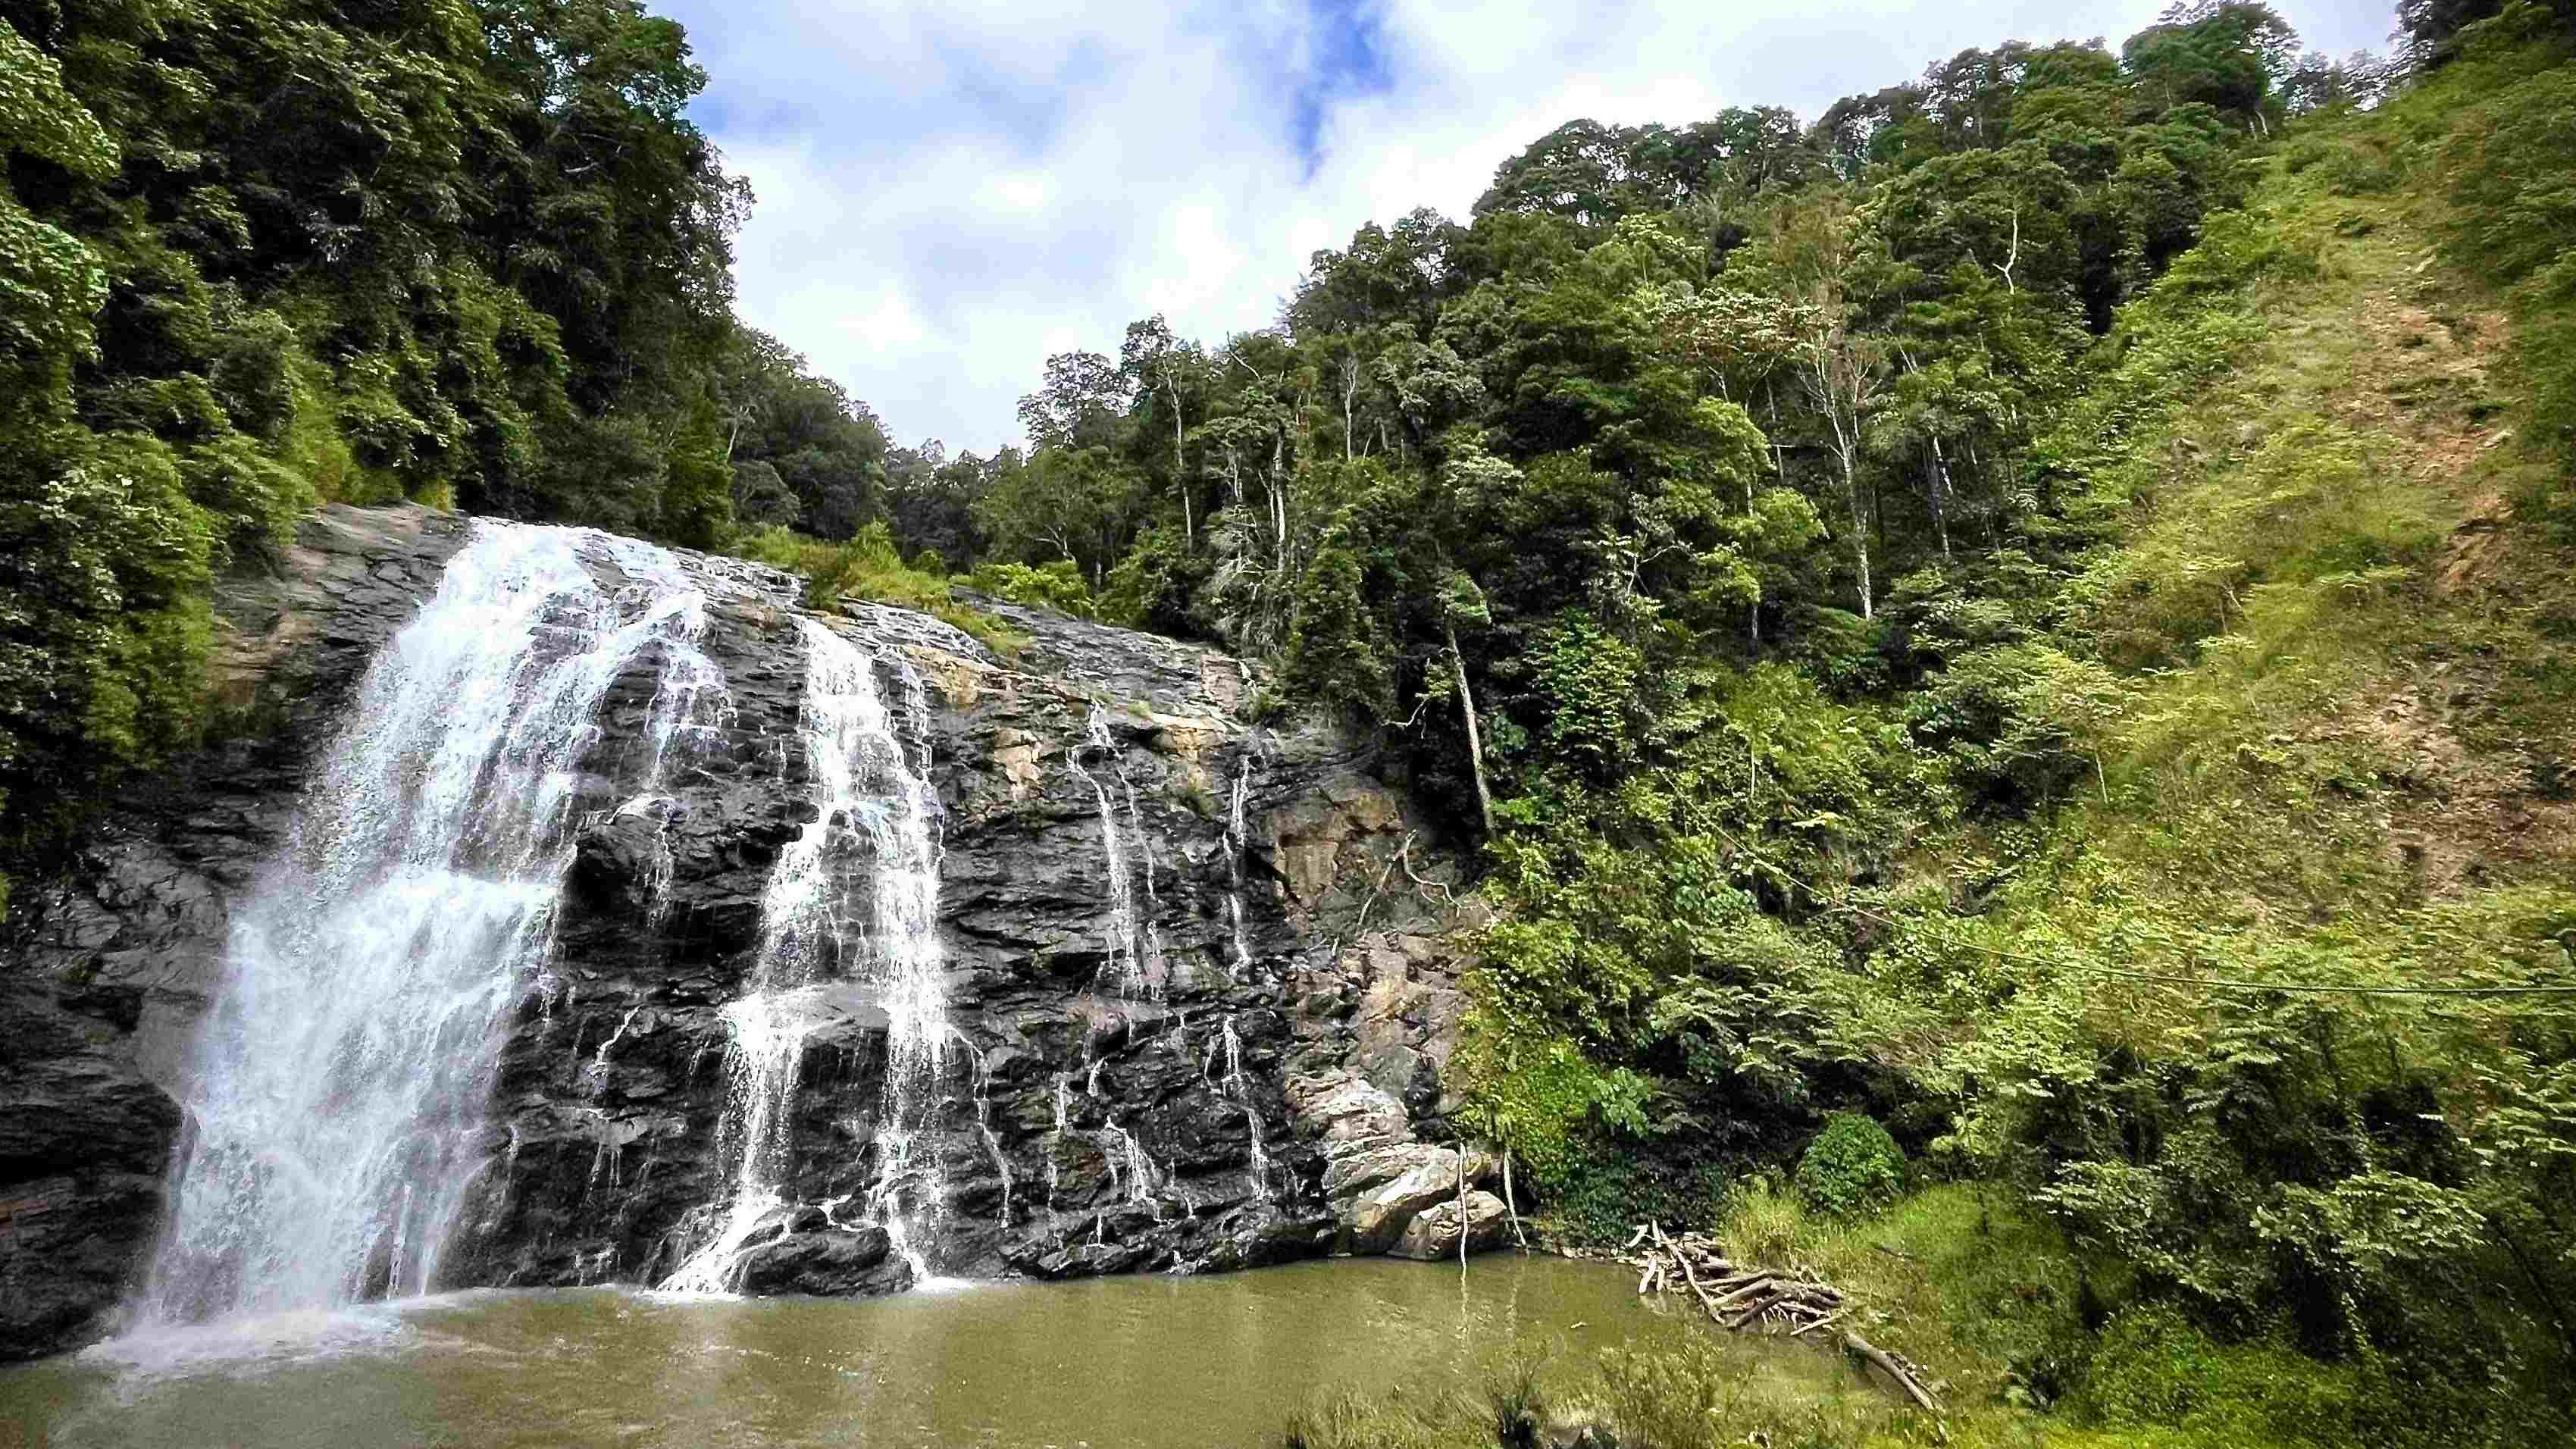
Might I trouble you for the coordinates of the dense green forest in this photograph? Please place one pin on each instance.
(2004, 646)
(255, 255)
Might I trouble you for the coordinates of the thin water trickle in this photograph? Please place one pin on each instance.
(1239, 1088)
(337, 1091)
(1236, 842)
(1055, 1143)
(1125, 967)
(691, 708)
(1144, 1176)
(984, 1124)
(853, 898)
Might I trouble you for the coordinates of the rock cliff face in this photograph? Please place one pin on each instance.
(1198, 989)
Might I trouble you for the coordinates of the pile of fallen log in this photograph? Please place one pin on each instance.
(1745, 1299)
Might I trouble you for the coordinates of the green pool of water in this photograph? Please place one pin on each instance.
(1135, 1362)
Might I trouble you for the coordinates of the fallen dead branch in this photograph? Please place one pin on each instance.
(1745, 1299)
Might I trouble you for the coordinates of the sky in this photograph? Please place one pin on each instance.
(951, 190)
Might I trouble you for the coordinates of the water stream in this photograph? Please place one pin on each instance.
(853, 899)
(1237, 841)
(1132, 960)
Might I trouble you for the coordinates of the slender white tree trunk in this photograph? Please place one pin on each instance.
(1475, 741)
(1180, 471)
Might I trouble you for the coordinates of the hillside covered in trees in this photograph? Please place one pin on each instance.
(2021, 617)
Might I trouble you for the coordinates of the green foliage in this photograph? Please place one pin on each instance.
(1337, 649)
(2145, 709)
(867, 567)
(1599, 1202)
(802, 452)
(1058, 586)
(472, 254)
(1851, 1166)
(2154, 1369)
(2507, 148)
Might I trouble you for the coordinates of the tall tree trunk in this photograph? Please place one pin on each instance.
(1846, 444)
(1350, 396)
(1475, 740)
(1941, 496)
(1755, 613)
(1180, 470)
(1779, 454)
(1279, 498)
(1860, 536)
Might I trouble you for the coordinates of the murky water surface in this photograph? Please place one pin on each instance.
(1136, 1363)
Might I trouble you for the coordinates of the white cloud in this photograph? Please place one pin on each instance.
(949, 190)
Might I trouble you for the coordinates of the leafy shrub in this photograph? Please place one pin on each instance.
(1600, 1200)
(1058, 585)
(1852, 1166)
(1840, 649)
(868, 567)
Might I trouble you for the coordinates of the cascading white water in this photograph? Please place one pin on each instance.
(1143, 1175)
(1236, 842)
(338, 1089)
(984, 1125)
(1124, 967)
(1239, 1088)
(853, 898)
(691, 703)
(1055, 1143)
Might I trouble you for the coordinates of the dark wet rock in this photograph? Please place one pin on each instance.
(827, 1262)
(1175, 1151)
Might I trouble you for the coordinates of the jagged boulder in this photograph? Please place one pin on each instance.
(824, 1262)
(1379, 1216)
(1432, 1235)
(1377, 1177)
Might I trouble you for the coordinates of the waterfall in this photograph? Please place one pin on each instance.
(1055, 1143)
(984, 1124)
(1123, 966)
(853, 899)
(338, 1088)
(1236, 842)
(1143, 1175)
(1238, 1087)
(691, 705)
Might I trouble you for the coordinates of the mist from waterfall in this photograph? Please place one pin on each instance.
(852, 899)
(337, 1096)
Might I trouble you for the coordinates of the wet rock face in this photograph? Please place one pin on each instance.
(1218, 1077)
